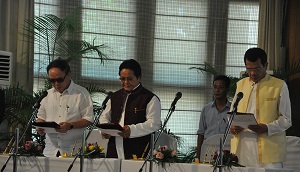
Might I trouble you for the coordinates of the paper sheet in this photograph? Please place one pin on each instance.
(112, 132)
(110, 128)
(243, 120)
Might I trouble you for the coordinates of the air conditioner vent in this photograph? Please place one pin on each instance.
(5, 68)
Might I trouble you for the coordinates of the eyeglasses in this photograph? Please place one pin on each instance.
(58, 80)
(255, 70)
(123, 79)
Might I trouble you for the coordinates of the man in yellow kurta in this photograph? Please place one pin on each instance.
(262, 145)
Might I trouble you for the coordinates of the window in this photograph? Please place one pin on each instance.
(167, 37)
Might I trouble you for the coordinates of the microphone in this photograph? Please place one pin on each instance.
(238, 99)
(109, 94)
(177, 97)
(38, 103)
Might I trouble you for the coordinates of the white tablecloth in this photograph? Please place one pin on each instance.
(135, 166)
(43, 164)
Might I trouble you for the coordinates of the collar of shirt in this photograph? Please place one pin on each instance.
(134, 90)
(68, 90)
(213, 104)
(267, 77)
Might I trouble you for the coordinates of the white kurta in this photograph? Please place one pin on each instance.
(247, 150)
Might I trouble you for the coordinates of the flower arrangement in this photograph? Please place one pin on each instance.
(229, 159)
(31, 148)
(164, 155)
(93, 150)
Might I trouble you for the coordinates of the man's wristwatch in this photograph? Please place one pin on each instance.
(71, 126)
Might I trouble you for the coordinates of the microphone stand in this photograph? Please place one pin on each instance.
(15, 152)
(149, 156)
(85, 137)
(82, 151)
(219, 161)
(18, 140)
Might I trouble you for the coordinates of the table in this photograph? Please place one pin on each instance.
(134, 166)
(46, 164)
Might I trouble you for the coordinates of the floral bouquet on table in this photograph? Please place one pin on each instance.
(164, 155)
(31, 148)
(229, 159)
(93, 150)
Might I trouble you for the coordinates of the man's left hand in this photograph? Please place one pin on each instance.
(126, 132)
(64, 127)
(259, 129)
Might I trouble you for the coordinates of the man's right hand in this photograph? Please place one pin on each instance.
(236, 129)
(40, 131)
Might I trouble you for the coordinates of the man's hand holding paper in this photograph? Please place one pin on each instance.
(243, 121)
(126, 132)
(259, 129)
(236, 129)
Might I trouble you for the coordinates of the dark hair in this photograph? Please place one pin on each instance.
(253, 54)
(223, 78)
(60, 64)
(132, 65)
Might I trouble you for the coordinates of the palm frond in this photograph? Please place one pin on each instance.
(60, 37)
(206, 67)
(189, 156)
(290, 70)
(94, 88)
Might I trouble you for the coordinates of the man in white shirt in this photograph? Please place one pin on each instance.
(67, 104)
(213, 119)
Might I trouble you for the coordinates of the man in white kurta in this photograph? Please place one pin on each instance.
(268, 99)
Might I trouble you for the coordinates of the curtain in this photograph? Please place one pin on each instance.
(12, 15)
(270, 32)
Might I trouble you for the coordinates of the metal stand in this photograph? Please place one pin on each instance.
(82, 151)
(85, 137)
(151, 152)
(15, 152)
(18, 140)
(149, 156)
(219, 161)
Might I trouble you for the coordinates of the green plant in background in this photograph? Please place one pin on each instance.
(19, 108)
(206, 67)
(60, 37)
(187, 157)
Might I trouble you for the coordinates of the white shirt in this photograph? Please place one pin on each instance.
(73, 104)
(152, 123)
